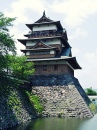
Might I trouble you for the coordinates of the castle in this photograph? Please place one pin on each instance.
(47, 46)
(60, 92)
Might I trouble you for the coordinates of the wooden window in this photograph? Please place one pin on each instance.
(44, 67)
(40, 52)
(55, 67)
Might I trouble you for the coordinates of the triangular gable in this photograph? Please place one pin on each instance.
(43, 19)
(40, 44)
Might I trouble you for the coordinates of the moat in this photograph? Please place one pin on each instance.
(59, 124)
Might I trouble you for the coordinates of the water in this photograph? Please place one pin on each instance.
(59, 124)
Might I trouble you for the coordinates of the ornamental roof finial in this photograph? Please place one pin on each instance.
(44, 13)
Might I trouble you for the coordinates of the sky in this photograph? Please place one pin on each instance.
(78, 17)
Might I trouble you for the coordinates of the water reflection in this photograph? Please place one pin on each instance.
(59, 124)
(90, 124)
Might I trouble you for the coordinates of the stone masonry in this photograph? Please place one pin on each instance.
(19, 112)
(61, 95)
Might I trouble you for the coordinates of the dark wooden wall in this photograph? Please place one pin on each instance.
(52, 69)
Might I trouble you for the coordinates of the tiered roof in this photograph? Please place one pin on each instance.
(64, 55)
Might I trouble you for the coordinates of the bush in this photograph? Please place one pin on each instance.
(93, 107)
(35, 100)
(89, 91)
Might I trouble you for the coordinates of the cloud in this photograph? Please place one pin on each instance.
(23, 10)
(18, 34)
(79, 32)
(90, 65)
(75, 51)
(91, 59)
(75, 11)
(88, 75)
(19, 9)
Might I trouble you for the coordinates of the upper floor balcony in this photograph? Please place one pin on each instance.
(46, 33)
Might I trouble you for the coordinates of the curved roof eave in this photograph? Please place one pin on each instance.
(38, 49)
(23, 41)
(74, 63)
(71, 60)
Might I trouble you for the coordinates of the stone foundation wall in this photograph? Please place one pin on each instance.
(61, 95)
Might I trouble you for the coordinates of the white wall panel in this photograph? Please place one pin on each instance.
(30, 43)
(53, 41)
(44, 27)
(27, 53)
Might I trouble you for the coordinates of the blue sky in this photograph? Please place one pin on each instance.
(78, 17)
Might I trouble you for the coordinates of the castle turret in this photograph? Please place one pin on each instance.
(60, 92)
(47, 46)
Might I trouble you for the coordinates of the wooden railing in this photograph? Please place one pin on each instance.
(47, 33)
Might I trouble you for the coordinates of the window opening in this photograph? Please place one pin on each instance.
(44, 67)
(55, 67)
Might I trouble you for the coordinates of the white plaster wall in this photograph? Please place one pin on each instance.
(27, 53)
(52, 52)
(53, 41)
(44, 27)
(30, 43)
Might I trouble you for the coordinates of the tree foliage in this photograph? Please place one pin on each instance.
(8, 60)
(20, 68)
(5, 21)
(7, 43)
(90, 91)
(93, 107)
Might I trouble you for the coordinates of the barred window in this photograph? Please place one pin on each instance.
(40, 52)
(44, 67)
(55, 67)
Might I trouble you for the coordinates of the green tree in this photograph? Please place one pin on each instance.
(7, 43)
(20, 68)
(90, 91)
(8, 61)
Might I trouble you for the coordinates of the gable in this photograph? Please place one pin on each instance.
(41, 45)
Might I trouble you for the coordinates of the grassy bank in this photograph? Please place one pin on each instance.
(35, 100)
